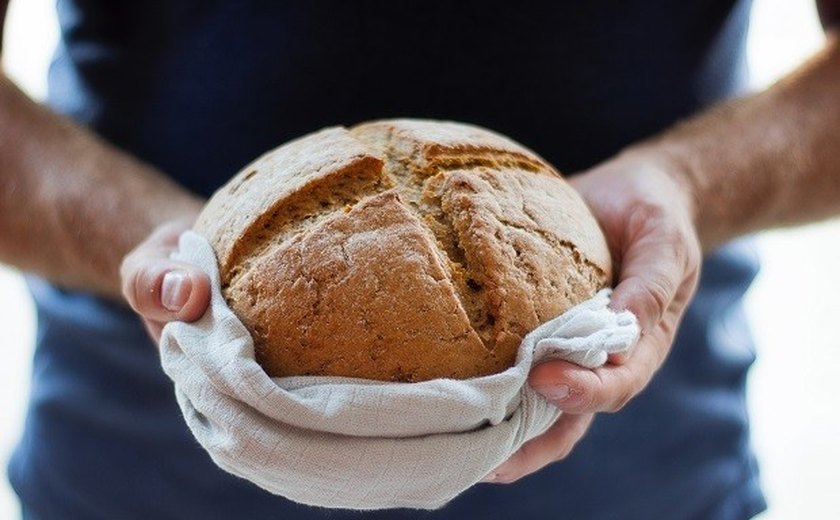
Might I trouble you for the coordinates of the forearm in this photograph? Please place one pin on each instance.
(72, 206)
(767, 160)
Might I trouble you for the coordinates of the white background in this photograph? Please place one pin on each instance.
(796, 427)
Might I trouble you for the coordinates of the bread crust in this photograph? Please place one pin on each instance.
(400, 250)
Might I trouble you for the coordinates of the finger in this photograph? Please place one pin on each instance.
(575, 389)
(162, 290)
(555, 444)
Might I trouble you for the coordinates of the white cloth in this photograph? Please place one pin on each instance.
(358, 444)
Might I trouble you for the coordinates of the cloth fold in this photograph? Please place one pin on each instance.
(358, 444)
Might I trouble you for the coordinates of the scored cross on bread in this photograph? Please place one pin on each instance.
(400, 250)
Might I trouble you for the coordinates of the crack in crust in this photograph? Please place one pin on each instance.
(600, 276)
(420, 187)
(495, 159)
(302, 210)
(420, 178)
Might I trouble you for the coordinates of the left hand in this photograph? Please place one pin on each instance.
(647, 215)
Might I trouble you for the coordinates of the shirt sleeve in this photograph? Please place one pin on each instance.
(829, 11)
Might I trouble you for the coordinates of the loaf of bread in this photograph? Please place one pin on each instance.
(400, 250)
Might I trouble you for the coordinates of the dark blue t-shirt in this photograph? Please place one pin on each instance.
(200, 88)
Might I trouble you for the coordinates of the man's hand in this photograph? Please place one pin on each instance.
(765, 160)
(647, 215)
(160, 289)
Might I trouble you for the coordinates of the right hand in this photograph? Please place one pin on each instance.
(160, 289)
(647, 216)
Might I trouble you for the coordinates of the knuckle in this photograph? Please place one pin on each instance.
(587, 398)
(640, 385)
(621, 400)
(564, 450)
(625, 386)
(659, 289)
(656, 293)
(594, 398)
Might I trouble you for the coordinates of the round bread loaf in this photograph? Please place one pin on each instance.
(400, 250)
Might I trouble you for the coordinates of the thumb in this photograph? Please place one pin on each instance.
(162, 290)
(659, 259)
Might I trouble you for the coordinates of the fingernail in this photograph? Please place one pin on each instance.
(557, 393)
(175, 290)
(490, 477)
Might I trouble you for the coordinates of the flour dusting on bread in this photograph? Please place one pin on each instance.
(401, 250)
